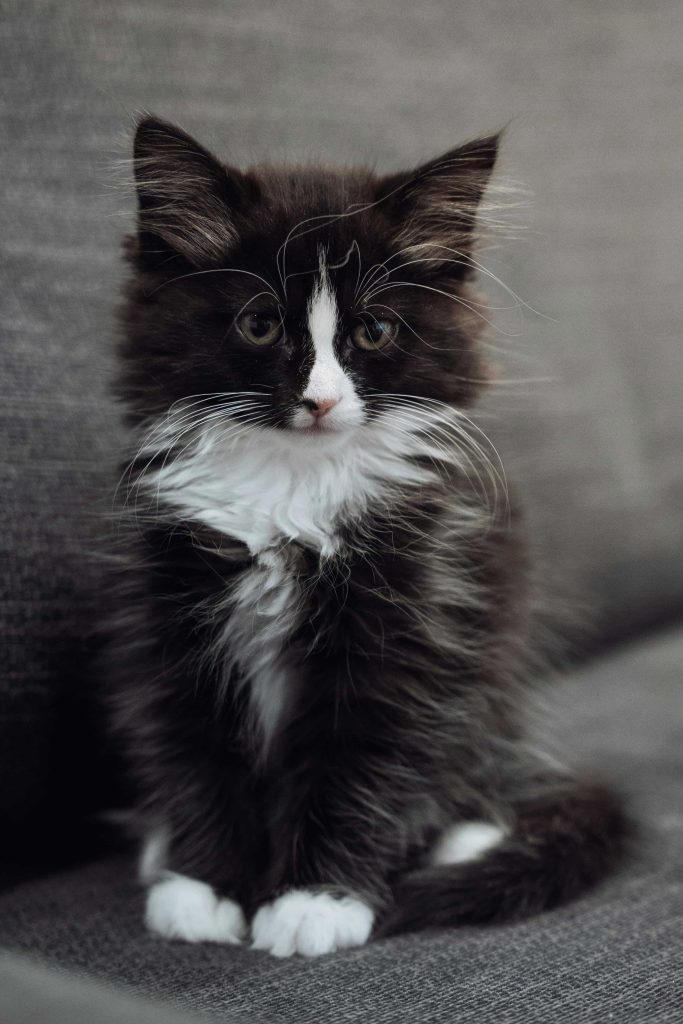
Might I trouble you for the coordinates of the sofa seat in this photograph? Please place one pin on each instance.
(614, 955)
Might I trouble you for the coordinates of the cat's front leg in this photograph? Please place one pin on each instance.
(181, 906)
(200, 856)
(352, 819)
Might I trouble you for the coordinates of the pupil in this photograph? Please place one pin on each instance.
(376, 330)
(260, 325)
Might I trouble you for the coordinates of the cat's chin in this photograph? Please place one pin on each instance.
(321, 429)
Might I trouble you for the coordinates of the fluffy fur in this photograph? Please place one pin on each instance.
(319, 660)
(183, 908)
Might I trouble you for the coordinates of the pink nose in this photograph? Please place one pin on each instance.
(320, 409)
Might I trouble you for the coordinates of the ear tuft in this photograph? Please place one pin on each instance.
(186, 197)
(435, 207)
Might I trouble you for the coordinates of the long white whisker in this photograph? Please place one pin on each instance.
(439, 291)
(232, 428)
(369, 277)
(352, 210)
(191, 426)
(157, 441)
(244, 306)
(466, 259)
(447, 443)
(394, 312)
(449, 418)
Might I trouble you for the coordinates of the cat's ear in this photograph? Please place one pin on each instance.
(434, 208)
(187, 199)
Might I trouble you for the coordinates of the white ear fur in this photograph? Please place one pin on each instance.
(184, 193)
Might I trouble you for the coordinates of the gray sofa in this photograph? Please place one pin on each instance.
(587, 416)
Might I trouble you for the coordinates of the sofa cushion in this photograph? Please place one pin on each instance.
(613, 955)
(593, 437)
(32, 994)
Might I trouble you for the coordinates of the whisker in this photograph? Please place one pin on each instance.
(164, 435)
(243, 307)
(467, 260)
(448, 448)
(218, 270)
(193, 428)
(448, 417)
(448, 295)
(394, 312)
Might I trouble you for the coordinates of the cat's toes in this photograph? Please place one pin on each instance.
(230, 922)
(311, 923)
(183, 908)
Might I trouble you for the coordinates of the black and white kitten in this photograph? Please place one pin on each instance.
(320, 658)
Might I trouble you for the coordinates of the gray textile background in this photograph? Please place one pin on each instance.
(614, 956)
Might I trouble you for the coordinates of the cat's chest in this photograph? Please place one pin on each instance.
(291, 507)
(272, 504)
(269, 498)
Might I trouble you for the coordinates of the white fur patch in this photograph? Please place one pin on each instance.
(323, 314)
(263, 486)
(311, 924)
(466, 842)
(262, 611)
(183, 908)
(328, 380)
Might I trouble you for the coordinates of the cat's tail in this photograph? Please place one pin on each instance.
(564, 841)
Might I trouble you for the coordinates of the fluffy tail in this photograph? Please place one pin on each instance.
(565, 841)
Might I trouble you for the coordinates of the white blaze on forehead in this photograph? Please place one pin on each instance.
(322, 311)
(327, 379)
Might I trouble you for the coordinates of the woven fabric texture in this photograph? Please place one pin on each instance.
(32, 994)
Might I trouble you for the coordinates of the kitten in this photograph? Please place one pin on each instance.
(320, 658)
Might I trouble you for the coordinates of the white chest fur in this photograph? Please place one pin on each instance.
(261, 611)
(266, 488)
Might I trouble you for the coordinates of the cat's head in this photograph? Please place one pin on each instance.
(310, 300)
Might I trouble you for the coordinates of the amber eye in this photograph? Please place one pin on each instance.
(373, 334)
(260, 328)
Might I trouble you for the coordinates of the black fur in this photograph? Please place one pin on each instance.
(409, 662)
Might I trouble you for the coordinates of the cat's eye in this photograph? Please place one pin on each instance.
(369, 335)
(260, 328)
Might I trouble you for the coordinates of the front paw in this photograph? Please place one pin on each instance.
(311, 923)
(184, 908)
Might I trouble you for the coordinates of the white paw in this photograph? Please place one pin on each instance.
(183, 908)
(311, 923)
(468, 841)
